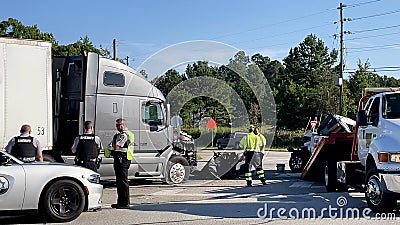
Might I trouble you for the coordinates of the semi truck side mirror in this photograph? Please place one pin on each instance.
(153, 126)
(362, 118)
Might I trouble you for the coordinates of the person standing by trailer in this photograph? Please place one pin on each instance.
(87, 148)
(253, 157)
(121, 150)
(25, 147)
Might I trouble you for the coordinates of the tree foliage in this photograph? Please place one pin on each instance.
(13, 28)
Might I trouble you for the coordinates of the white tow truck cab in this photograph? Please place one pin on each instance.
(57, 94)
(369, 156)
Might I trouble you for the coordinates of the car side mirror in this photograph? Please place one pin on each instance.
(362, 118)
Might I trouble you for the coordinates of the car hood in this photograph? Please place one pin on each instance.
(53, 169)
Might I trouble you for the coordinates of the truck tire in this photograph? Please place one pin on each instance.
(378, 200)
(63, 201)
(296, 162)
(177, 170)
(330, 177)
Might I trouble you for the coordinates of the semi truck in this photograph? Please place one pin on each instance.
(55, 95)
(368, 155)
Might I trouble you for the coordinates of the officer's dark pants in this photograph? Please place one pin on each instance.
(88, 164)
(121, 166)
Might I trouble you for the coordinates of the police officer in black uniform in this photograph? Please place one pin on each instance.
(25, 147)
(87, 147)
(122, 152)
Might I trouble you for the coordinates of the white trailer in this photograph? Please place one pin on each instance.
(25, 89)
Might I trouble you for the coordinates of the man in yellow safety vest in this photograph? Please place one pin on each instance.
(254, 146)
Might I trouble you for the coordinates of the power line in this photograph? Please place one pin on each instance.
(375, 29)
(376, 15)
(376, 46)
(371, 36)
(271, 25)
(362, 3)
(282, 34)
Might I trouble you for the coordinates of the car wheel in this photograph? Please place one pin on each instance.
(377, 199)
(296, 163)
(219, 145)
(177, 170)
(63, 201)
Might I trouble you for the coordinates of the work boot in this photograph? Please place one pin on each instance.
(249, 183)
(263, 182)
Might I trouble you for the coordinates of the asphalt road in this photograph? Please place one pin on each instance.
(286, 199)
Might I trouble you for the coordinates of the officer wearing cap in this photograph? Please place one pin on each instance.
(251, 143)
(25, 147)
(87, 147)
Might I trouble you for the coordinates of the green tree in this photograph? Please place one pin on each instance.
(13, 28)
(307, 83)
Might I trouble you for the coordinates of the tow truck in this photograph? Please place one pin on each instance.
(366, 155)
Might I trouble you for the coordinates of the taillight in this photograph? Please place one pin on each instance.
(383, 157)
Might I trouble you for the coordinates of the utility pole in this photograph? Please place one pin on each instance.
(341, 57)
(127, 60)
(115, 49)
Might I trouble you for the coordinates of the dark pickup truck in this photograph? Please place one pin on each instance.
(231, 140)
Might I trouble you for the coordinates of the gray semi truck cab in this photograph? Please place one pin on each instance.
(90, 87)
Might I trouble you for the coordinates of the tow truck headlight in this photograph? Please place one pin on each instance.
(395, 157)
(94, 178)
(383, 157)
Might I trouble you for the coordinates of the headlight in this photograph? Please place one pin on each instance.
(395, 157)
(94, 178)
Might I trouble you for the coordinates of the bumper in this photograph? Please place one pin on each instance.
(95, 196)
(390, 182)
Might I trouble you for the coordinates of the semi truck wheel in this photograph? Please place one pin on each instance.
(177, 170)
(377, 199)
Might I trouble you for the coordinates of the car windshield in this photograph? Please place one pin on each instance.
(391, 106)
(240, 135)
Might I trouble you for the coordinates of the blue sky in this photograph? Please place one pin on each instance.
(268, 27)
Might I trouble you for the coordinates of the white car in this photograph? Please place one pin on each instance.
(58, 191)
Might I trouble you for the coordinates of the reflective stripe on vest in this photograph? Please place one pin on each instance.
(128, 146)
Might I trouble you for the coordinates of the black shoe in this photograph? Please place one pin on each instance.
(263, 182)
(123, 207)
(116, 206)
(249, 184)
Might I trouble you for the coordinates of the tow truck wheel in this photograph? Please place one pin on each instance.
(377, 199)
(330, 176)
(177, 170)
